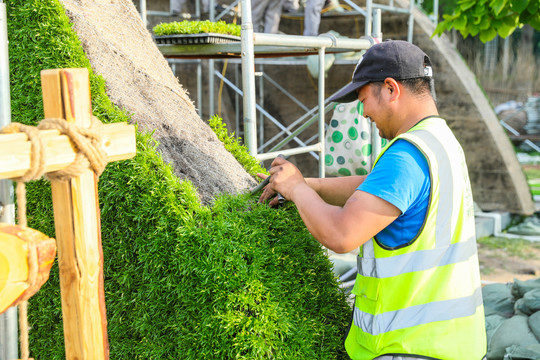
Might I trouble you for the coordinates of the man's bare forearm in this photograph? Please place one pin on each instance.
(335, 191)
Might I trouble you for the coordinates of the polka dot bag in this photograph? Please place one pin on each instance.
(348, 141)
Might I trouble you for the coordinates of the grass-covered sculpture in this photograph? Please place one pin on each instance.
(236, 280)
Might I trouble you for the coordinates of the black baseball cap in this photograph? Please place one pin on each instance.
(395, 59)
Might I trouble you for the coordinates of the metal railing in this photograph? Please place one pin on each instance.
(8, 320)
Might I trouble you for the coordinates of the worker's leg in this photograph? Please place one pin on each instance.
(205, 7)
(312, 17)
(291, 5)
(258, 9)
(272, 16)
(176, 6)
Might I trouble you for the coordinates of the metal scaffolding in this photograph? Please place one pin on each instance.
(260, 45)
(254, 45)
(8, 320)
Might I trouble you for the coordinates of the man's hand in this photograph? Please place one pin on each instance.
(267, 193)
(285, 177)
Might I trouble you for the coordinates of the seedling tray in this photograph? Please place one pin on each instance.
(193, 39)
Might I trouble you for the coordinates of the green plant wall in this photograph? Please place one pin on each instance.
(236, 280)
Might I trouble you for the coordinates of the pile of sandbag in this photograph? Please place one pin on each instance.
(513, 320)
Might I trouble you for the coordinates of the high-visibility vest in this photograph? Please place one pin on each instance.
(425, 298)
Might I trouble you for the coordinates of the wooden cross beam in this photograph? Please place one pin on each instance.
(66, 94)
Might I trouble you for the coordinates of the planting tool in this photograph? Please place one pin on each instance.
(265, 182)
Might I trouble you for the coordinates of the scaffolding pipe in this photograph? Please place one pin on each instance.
(211, 91)
(377, 33)
(142, 5)
(369, 20)
(436, 12)
(248, 79)
(355, 7)
(391, 8)
(321, 111)
(322, 40)
(8, 320)
(288, 152)
(411, 21)
(260, 75)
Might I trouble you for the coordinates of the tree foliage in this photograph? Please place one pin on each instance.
(489, 18)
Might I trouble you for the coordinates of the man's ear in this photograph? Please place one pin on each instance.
(393, 88)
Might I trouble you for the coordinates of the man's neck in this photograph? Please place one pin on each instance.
(414, 112)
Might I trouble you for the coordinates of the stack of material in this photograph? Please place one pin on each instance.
(513, 320)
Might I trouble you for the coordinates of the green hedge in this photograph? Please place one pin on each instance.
(236, 280)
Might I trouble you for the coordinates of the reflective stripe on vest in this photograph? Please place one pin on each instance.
(417, 315)
(416, 261)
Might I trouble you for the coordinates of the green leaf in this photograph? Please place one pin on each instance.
(487, 35)
(498, 6)
(519, 5)
(460, 23)
(480, 11)
(466, 4)
(525, 17)
(505, 30)
(533, 6)
(441, 27)
(535, 22)
(474, 30)
(510, 20)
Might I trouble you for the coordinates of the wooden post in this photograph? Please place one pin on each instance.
(66, 94)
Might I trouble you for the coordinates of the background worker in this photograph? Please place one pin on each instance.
(266, 15)
(312, 16)
(418, 292)
(291, 6)
(177, 6)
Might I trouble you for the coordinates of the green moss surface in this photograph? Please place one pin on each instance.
(235, 280)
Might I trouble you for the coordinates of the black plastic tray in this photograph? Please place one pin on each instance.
(193, 39)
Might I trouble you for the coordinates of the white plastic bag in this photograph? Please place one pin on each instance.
(348, 146)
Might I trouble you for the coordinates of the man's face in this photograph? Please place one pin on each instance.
(371, 95)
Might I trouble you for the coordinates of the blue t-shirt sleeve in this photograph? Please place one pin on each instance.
(400, 176)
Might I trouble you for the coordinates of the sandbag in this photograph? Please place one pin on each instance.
(529, 303)
(534, 324)
(529, 352)
(492, 324)
(513, 331)
(498, 299)
(520, 288)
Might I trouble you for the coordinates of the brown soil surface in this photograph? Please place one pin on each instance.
(496, 265)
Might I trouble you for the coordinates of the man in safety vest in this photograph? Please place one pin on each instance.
(417, 290)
